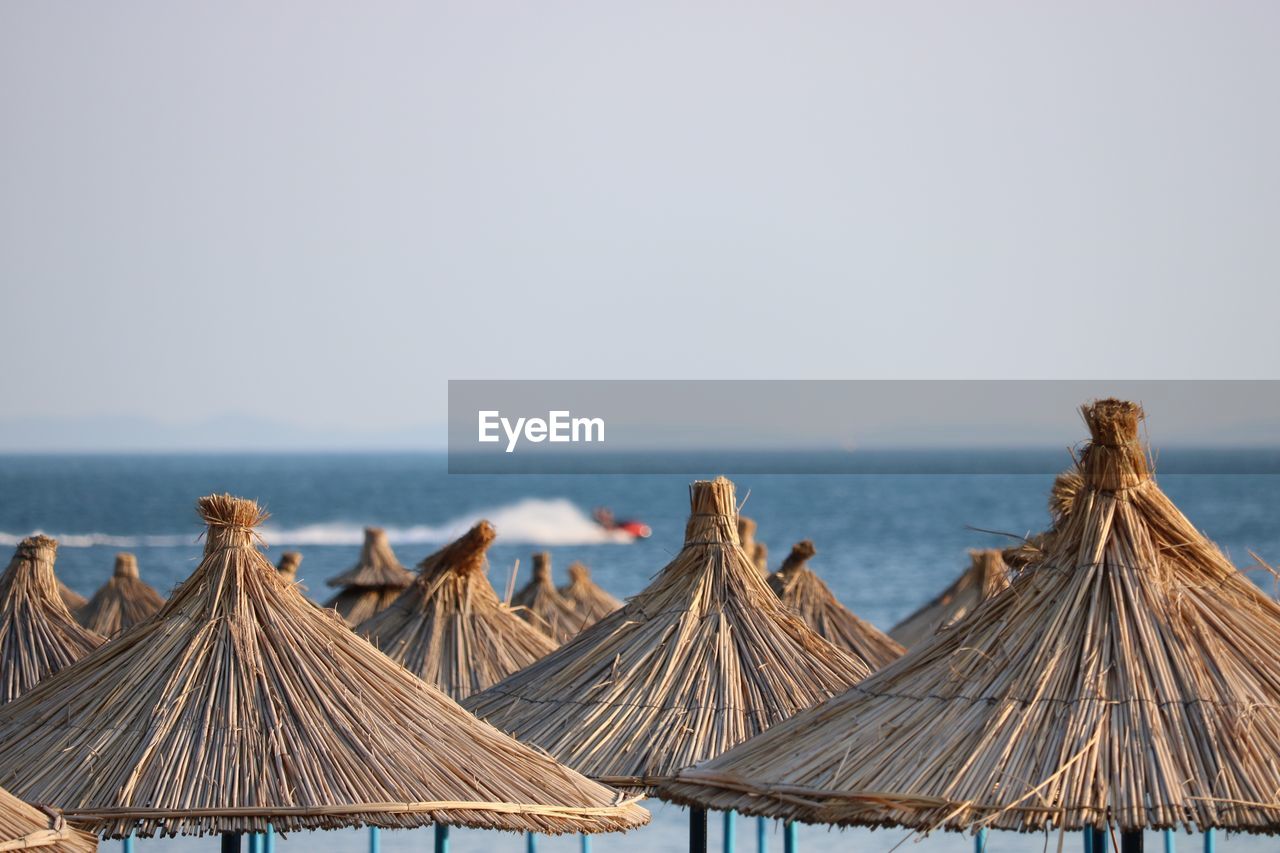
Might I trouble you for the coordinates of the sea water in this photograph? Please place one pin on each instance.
(886, 543)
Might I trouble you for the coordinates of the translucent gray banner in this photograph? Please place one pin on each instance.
(845, 426)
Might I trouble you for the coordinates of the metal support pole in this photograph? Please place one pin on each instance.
(127, 845)
(271, 839)
(255, 843)
(980, 841)
(1208, 840)
(1099, 844)
(530, 842)
(584, 843)
(1168, 841)
(230, 842)
(697, 831)
(762, 835)
(442, 838)
(730, 831)
(375, 840)
(1131, 841)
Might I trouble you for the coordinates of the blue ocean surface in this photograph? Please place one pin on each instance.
(886, 543)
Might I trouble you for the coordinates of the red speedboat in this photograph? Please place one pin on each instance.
(638, 529)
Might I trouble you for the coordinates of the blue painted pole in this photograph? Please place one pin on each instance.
(1208, 840)
(442, 838)
(530, 842)
(271, 839)
(255, 843)
(1088, 839)
(790, 837)
(1168, 841)
(730, 831)
(1099, 840)
(584, 845)
(127, 844)
(375, 840)
(980, 841)
(762, 835)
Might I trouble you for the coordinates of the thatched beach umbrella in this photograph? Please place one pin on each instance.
(375, 581)
(590, 601)
(288, 565)
(122, 602)
(1066, 486)
(540, 604)
(72, 599)
(757, 552)
(25, 827)
(1130, 679)
(804, 592)
(241, 705)
(450, 629)
(38, 635)
(704, 658)
(987, 574)
(989, 570)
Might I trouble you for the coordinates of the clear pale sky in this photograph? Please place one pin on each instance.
(317, 213)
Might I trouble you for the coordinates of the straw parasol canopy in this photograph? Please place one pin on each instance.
(590, 601)
(540, 604)
(702, 659)
(288, 565)
(375, 581)
(25, 827)
(450, 629)
(241, 705)
(758, 552)
(1130, 679)
(72, 599)
(122, 602)
(987, 575)
(1066, 486)
(38, 635)
(809, 598)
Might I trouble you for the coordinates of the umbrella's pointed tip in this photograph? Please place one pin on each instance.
(228, 511)
(1112, 422)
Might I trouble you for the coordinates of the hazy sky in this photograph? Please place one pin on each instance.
(319, 212)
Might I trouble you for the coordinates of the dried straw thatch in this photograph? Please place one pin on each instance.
(760, 557)
(25, 827)
(288, 565)
(122, 602)
(702, 659)
(240, 704)
(72, 599)
(1131, 679)
(1061, 499)
(375, 581)
(1026, 553)
(805, 593)
(590, 601)
(987, 574)
(540, 604)
(758, 552)
(38, 635)
(450, 629)
(358, 604)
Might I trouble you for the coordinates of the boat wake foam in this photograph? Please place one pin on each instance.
(530, 521)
